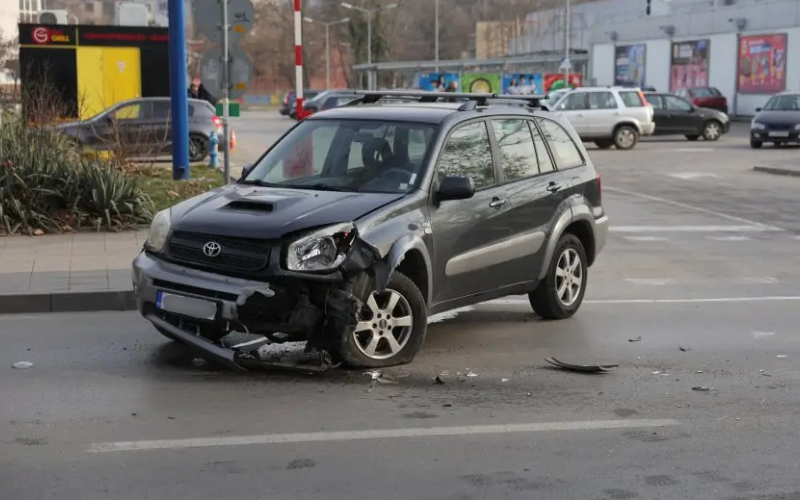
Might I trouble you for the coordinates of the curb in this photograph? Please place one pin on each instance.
(106, 300)
(778, 171)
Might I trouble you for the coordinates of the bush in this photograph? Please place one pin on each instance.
(47, 185)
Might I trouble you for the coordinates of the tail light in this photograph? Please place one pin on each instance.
(642, 97)
(286, 99)
(233, 140)
(696, 102)
(216, 121)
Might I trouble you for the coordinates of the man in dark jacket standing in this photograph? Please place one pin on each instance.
(198, 91)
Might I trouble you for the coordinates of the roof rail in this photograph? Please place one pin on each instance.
(479, 99)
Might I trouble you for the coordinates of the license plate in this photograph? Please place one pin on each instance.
(186, 306)
(779, 134)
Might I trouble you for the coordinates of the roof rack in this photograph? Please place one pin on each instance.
(473, 100)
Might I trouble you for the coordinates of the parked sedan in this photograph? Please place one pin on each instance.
(778, 121)
(329, 99)
(142, 128)
(705, 97)
(676, 116)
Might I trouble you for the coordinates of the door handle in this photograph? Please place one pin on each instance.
(554, 186)
(497, 203)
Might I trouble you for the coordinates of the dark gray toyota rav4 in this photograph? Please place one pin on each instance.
(362, 221)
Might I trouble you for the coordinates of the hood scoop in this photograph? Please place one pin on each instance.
(250, 205)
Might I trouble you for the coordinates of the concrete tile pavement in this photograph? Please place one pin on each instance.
(68, 272)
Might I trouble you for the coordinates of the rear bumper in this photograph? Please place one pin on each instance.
(600, 234)
(648, 128)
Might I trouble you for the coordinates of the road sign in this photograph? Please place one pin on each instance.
(208, 20)
(241, 72)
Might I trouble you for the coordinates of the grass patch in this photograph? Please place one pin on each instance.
(156, 182)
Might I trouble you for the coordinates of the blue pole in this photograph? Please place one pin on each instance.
(178, 90)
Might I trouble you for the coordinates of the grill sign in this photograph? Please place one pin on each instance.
(42, 36)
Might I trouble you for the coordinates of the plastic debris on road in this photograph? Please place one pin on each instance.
(703, 389)
(504, 380)
(781, 356)
(21, 365)
(637, 339)
(684, 349)
(471, 374)
(598, 368)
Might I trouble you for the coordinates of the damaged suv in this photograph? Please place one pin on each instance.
(362, 221)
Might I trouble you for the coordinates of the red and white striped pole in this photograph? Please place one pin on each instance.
(298, 57)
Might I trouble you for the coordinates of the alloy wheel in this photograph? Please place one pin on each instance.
(386, 325)
(569, 277)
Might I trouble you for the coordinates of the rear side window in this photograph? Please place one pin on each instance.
(602, 100)
(705, 92)
(516, 147)
(656, 101)
(561, 144)
(632, 99)
(161, 110)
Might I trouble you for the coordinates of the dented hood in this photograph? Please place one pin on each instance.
(270, 213)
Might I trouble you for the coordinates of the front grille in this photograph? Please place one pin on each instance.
(780, 126)
(193, 290)
(236, 254)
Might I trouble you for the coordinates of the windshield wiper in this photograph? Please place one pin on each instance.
(321, 187)
(259, 183)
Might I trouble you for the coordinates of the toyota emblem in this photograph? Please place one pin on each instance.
(212, 249)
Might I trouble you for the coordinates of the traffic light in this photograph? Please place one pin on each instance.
(647, 10)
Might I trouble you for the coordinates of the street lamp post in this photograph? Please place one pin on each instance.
(369, 13)
(327, 45)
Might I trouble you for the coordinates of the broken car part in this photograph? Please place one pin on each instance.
(582, 368)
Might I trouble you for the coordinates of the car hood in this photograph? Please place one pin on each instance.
(778, 117)
(271, 213)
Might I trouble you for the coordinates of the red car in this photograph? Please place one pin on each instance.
(705, 97)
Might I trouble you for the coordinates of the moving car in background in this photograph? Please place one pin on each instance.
(286, 102)
(403, 210)
(705, 97)
(778, 121)
(141, 128)
(307, 96)
(607, 116)
(553, 97)
(674, 115)
(329, 99)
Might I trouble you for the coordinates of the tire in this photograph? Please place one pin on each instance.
(604, 143)
(712, 130)
(198, 148)
(692, 137)
(755, 144)
(625, 137)
(355, 346)
(546, 300)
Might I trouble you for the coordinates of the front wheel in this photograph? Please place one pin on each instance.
(560, 294)
(391, 327)
(712, 130)
(198, 148)
(755, 144)
(625, 137)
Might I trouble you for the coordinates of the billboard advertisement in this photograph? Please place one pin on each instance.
(629, 64)
(762, 64)
(689, 64)
(555, 81)
(522, 83)
(436, 81)
(480, 82)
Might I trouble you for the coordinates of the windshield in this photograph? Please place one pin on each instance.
(789, 102)
(554, 97)
(347, 155)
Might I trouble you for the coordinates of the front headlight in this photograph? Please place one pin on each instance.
(797, 127)
(323, 250)
(159, 230)
(757, 126)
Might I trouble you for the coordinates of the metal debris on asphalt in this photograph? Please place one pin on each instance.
(764, 373)
(504, 380)
(703, 389)
(637, 339)
(598, 368)
(684, 349)
(22, 365)
(471, 374)
(438, 380)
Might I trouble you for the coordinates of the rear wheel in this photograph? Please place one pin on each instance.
(692, 137)
(755, 144)
(625, 137)
(198, 148)
(712, 130)
(560, 294)
(604, 143)
(391, 327)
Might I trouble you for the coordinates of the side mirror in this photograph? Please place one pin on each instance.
(758, 110)
(246, 170)
(456, 188)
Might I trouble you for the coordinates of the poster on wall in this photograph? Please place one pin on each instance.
(629, 61)
(762, 64)
(555, 81)
(689, 64)
(522, 83)
(436, 81)
(480, 82)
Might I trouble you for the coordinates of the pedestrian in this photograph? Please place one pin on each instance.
(198, 91)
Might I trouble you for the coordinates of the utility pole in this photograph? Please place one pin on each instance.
(327, 45)
(226, 90)
(436, 4)
(179, 97)
(567, 29)
(369, 13)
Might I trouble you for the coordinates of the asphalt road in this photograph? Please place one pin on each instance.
(701, 271)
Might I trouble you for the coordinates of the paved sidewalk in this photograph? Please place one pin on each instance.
(73, 272)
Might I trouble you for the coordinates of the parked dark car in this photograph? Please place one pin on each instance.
(307, 95)
(329, 99)
(399, 212)
(674, 115)
(286, 102)
(142, 128)
(777, 122)
(705, 97)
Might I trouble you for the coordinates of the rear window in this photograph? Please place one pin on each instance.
(631, 98)
(705, 92)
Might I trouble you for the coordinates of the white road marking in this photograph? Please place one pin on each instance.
(694, 150)
(644, 238)
(686, 206)
(728, 238)
(705, 300)
(649, 281)
(761, 280)
(316, 437)
(687, 176)
(693, 229)
(762, 335)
